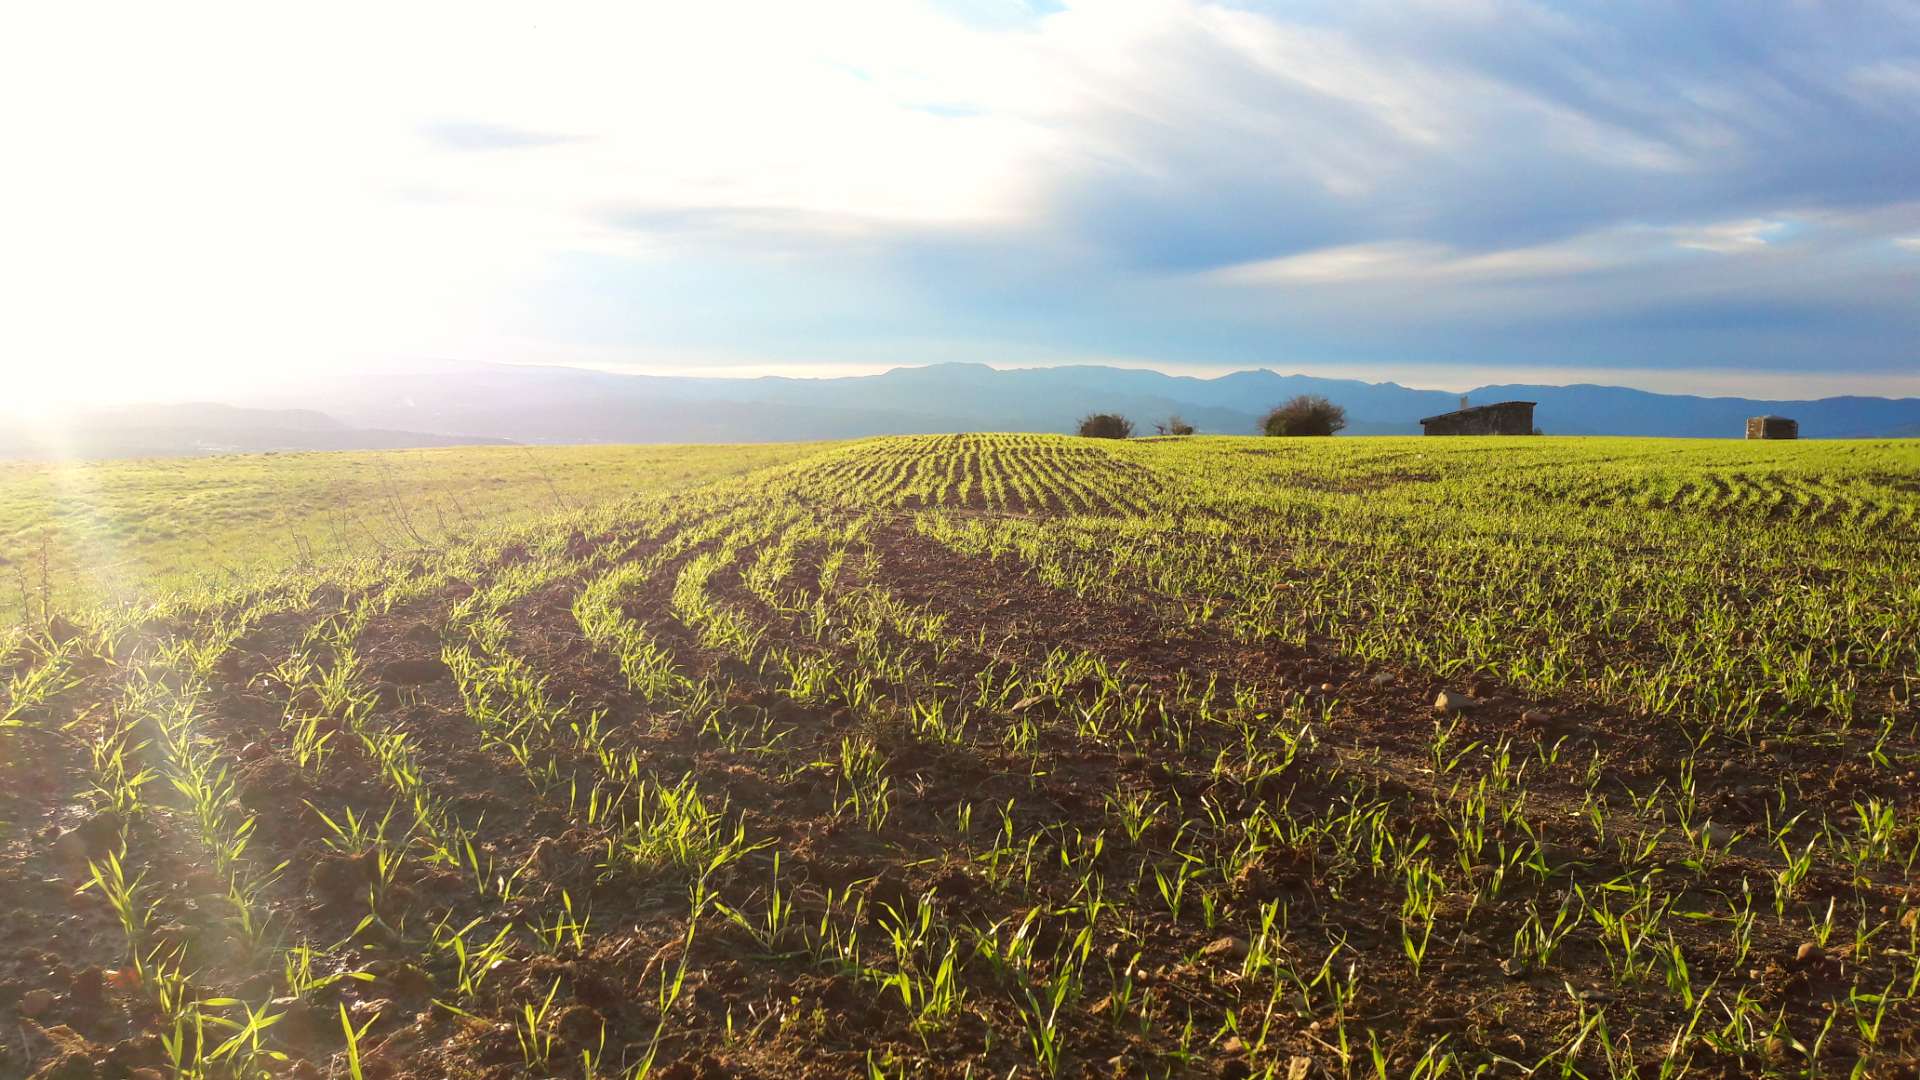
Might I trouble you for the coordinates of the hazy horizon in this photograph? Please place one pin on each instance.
(50, 418)
(243, 391)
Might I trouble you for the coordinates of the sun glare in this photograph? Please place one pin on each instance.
(35, 394)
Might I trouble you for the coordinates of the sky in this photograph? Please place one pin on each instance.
(1718, 197)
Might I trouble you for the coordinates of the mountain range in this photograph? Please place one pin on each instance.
(461, 403)
(555, 404)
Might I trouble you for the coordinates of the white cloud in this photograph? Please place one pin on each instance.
(1728, 236)
(1888, 83)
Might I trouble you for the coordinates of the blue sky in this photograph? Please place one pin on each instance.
(1722, 197)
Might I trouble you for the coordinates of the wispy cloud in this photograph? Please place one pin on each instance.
(1730, 236)
(1359, 264)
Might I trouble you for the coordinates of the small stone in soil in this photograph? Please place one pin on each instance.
(1236, 947)
(1450, 701)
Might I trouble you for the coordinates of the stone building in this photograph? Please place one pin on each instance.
(1500, 418)
(1772, 427)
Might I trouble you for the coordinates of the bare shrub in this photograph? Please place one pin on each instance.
(1106, 426)
(1307, 414)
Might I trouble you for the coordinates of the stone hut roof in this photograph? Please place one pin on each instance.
(1494, 407)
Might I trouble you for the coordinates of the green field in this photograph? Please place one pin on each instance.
(76, 531)
(978, 756)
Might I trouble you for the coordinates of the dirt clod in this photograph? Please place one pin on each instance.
(413, 670)
(73, 1065)
(89, 987)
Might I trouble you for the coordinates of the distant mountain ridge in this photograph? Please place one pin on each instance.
(558, 405)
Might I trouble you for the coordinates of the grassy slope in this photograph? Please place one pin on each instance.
(109, 528)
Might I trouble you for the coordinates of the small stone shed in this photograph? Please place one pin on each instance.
(1772, 427)
(1500, 418)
